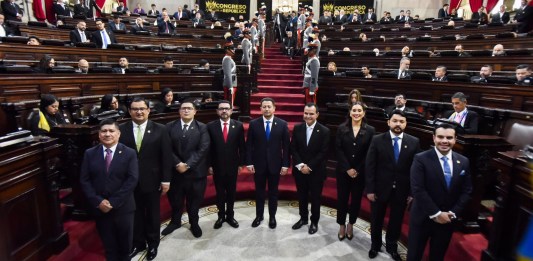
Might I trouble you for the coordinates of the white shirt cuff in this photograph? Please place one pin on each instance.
(299, 166)
(435, 215)
(165, 183)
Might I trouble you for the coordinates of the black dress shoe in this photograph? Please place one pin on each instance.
(257, 221)
(272, 223)
(372, 253)
(196, 231)
(218, 224)
(152, 253)
(299, 224)
(349, 237)
(135, 251)
(395, 256)
(341, 237)
(170, 228)
(313, 228)
(232, 222)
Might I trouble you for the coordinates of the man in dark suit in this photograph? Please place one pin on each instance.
(403, 72)
(325, 19)
(138, 26)
(102, 37)
(501, 17)
(289, 44)
(484, 73)
(399, 104)
(441, 187)
(123, 65)
(461, 115)
(61, 9)
(400, 18)
(342, 18)
(190, 147)
(388, 163)
(267, 157)
(164, 25)
(153, 10)
(227, 149)
(121, 8)
(212, 16)
(370, 16)
(523, 75)
(198, 20)
(440, 74)
(79, 35)
(524, 15)
(151, 142)
(81, 10)
(309, 147)
(117, 24)
(11, 10)
(443, 12)
(109, 174)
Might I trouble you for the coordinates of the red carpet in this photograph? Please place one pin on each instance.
(280, 79)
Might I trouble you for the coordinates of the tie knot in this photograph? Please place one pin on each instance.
(268, 122)
(185, 126)
(444, 158)
(396, 138)
(225, 123)
(108, 151)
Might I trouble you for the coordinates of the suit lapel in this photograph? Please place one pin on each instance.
(117, 155)
(457, 168)
(388, 144)
(438, 167)
(147, 135)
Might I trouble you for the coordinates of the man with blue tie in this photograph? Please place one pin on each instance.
(441, 187)
(267, 157)
(388, 163)
(102, 37)
(109, 174)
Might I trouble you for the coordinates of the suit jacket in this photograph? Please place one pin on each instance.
(152, 12)
(442, 79)
(178, 17)
(325, 20)
(342, 19)
(525, 17)
(226, 157)
(116, 186)
(81, 10)
(350, 19)
(478, 79)
(499, 18)
(406, 75)
(391, 108)
(10, 11)
(471, 121)
(198, 21)
(483, 18)
(443, 14)
(136, 28)
(400, 19)
(162, 26)
(122, 9)
(92, 4)
(211, 17)
(96, 37)
(61, 10)
(373, 17)
(113, 26)
(351, 151)
(268, 155)
(75, 36)
(429, 189)
(289, 42)
(313, 154)
(191, 147)
(382, 170)
(154, 157)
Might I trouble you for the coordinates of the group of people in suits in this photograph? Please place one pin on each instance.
(102, 37)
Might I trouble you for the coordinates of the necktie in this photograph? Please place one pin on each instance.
(309, 133)
(447, 171)
(267, 130)
(166, 25)
(225, 132)
(458, 118)
(185, 128)
(139, 140)
(104, 40)
(396, 148)
(108, 159)
(83, 38)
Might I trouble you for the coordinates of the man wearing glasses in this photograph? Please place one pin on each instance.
(227, 155)
(190, 145)
(151, 142)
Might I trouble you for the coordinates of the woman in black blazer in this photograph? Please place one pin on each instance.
(352, 143)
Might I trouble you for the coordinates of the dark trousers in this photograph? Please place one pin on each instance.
(397, 205)
(225, 186)
(346, 187)
(186, 189)
(438, 235)
(261, 178)
(147, 222)
(116, 233)
(309, 188)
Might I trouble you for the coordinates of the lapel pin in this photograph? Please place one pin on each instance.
(233, 126)
(405, 146)
(458, 162)
(317, 130)
(192, 127)
(275, 123)
(119, 151)
(148, 131)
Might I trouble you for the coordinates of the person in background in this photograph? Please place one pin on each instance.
(162, 105)
(46, 64)
(110, 103)
(33, 40)
(83, 66)
(48, 116)
(523, 75)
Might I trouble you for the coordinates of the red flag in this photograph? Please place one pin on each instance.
(38, 10)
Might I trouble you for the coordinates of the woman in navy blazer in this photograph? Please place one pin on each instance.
(351, 145)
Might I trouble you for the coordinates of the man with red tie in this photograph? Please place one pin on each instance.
(164, 25)
(227, 154)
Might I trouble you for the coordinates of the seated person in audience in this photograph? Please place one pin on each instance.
(355, 18)
(81, 10)
(139, 10)
(370, 16)
(198, 20)
(48, 116)
(122, 66)
(164, 25)
(289, 44)
(406, 52)
(110, 103)
(196, 10)
(165, 101)
(416, 18)
(523, 75)
(399, 104)
(238, 32)
(153, 10)
(354, 96)
(180, 14)
(33, 40)
(461, 52)
(4, 29)
(212, 16)
(121, 8)
(83, 66)
(461, 115)
(408, 17)
(480, 16)
(46, 64)
(484, 73)
(117, 24)
(102, 37)
(367, 73)
(346, 49)
(498, 50)
(401, 17)
(387, 18)
(332, 67)
(204, 64)
(79, 35)
(440, 74)
(443, 12)
(451, 23)
(501, 17)
(363, 37)
(325, 19)
(331, 52)
(138, 26)
(207, 98)
(342, 17)
(403, 71)
(433, 52)
(453, 14)
(61, 9)
(168, 62)
(12, 10)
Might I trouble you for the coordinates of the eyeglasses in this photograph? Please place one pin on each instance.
(224, 109)
(139, 109)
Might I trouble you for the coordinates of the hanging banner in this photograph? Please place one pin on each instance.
(347, 5)
(226, 8)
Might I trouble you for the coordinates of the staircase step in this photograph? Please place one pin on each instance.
(281, 106)
(280, 89)
(280, 76)
(288, 82)
(281, 71)
(281, 61)
(279, 97)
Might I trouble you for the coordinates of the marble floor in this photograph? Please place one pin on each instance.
(263, 243)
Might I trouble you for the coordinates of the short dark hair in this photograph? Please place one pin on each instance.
(268, 99)
(444, 126)
(140, 99)
(191, 101)
(312, 104)
(489, 66)
(168, 58)
(523, 66)
(47, 100)
(203, 62)
(459, 95)
(400, 94)
(398, 112)
(108, 121)
(442, 67)
(225, 101)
